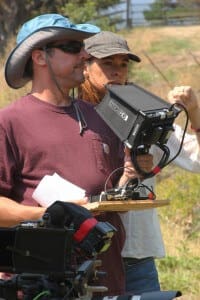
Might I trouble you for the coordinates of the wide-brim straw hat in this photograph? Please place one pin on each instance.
(106, 44)
(37, 33)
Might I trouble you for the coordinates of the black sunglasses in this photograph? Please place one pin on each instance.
(73, 47)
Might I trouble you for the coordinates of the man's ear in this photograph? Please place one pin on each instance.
(38, 57)
(85, 72)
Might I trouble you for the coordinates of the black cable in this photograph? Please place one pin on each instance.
(184, 132)
(156, 169)
(111, 174)
(166, 151)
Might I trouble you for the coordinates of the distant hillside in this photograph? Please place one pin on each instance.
(173, 50)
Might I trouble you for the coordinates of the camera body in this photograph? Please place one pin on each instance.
(56, 254)
(43, 258)
(30, 247)
(138, 117)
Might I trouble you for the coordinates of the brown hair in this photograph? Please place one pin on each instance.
(89, 93)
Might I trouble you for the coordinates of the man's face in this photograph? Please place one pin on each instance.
(109, 70)
(67, 60)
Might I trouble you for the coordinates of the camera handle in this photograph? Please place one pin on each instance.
(144, 149)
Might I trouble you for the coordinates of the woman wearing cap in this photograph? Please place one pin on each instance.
(108, 64)
(47, 132)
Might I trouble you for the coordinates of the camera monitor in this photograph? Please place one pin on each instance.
(137, 116)
(140, 119)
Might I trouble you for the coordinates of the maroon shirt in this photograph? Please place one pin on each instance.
(38, 138)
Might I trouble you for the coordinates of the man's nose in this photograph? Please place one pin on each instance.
(84, 54)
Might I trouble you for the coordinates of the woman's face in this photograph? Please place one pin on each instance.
(109, 70)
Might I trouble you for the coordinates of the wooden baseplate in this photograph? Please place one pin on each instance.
(125, 205)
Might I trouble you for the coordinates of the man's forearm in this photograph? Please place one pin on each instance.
(12, 213)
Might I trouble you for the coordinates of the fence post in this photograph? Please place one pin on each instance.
(128, 14)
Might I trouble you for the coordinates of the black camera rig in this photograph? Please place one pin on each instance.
(55, 257)
(140, 119)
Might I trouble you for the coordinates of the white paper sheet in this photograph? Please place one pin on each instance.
(53, 187)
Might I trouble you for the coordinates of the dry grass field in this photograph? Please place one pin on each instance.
(170, 56)
(172, 50)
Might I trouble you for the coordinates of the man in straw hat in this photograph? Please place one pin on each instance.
(109, 62)
(47, 131)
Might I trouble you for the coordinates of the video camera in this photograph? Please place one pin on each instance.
(55, 255)
(140, 119)
(44, 254)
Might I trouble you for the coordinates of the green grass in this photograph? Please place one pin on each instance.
(180, 222)
(142, 76)
(176, 273)
(183, 188)
(170, 45)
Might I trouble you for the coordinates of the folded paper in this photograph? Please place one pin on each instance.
(53, 187)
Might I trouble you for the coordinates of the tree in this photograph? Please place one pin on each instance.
(156, 11)
(91, 11)
(13, 13)
(166, 9)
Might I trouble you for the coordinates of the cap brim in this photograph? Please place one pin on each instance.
(160, 295)
(17, 60)
(103, 53)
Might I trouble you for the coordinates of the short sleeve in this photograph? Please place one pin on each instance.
(7, 164)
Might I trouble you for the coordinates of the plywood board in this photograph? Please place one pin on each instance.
(125, 205)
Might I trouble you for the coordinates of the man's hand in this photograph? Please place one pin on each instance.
(145, 162)
(91, 236)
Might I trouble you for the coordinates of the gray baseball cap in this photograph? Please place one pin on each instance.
(107, 43)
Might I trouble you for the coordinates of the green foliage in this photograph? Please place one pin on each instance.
(103, 4)
(15, 12)
(172, 46)
(89, 12)
(171, 75)
(156, 11)
(142, 76)
(175, 273)
(183, 188)
(164, 10)
(181, 231)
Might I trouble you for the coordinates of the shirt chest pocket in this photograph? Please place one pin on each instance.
(103, 148)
